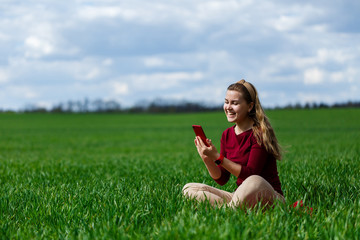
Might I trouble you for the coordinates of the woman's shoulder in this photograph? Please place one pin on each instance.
(252, 137)
(228, 131)
(254, 140)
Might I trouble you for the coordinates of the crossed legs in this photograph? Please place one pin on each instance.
(253, 190)
(202, 192)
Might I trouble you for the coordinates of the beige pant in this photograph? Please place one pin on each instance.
(253, 190)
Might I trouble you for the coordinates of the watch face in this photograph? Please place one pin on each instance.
(217, 162)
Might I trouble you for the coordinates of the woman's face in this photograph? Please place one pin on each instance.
(235, 107)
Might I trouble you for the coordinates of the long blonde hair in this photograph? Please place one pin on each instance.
(262, 129)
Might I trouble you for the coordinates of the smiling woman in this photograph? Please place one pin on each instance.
(248, 151)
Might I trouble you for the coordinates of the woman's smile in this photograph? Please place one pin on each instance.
(231, 114)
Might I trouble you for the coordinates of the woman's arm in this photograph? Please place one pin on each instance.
(212, 168)
(233, 168)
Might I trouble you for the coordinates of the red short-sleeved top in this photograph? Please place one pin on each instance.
(254, 159)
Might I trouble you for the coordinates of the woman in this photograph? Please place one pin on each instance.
(248, 150)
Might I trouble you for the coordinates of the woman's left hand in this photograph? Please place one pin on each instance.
(210, 152)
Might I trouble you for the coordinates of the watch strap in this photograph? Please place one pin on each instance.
(219, 160)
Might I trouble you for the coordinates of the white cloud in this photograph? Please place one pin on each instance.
(325, 56)
(4, 76)
(44, 104)
(189, 14)
(108, 62)
(86, 69)
(211, 93)
(355, 89)
(92, 13)
(337, 55)
(353, 75)
(4, 37)
(203, 14)
(35, 29)
(37, 47)
(337, 77)
(347, 75)
(154, 62)
(163, 80)
(348, 93)
(273, 98)
(120, 88)
(286, 23)
(313, 97)
(313, 76)
(26, 92)
(134, 11)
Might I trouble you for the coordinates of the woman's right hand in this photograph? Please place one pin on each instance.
(200, 150)
(206, 153)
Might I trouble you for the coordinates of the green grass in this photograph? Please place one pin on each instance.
(120, 176)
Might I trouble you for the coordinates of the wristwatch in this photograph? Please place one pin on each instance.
(219, 160)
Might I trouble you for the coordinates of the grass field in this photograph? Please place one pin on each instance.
(106, 176)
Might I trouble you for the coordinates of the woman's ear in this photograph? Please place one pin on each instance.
(251, 106)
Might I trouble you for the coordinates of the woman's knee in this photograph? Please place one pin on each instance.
(256, 184)
(254, 181)
(252, 190)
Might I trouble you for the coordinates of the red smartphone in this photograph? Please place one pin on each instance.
(200, 132)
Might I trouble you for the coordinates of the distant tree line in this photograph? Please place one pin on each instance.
(349, 104)
(112, 106)
(157, 106)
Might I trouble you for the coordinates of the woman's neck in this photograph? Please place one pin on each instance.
(244, 126)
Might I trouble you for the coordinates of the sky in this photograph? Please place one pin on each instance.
(134, 51)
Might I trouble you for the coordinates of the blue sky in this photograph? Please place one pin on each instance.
(130, 51)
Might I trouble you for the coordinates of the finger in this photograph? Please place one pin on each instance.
(196, 142)
(200, 141)
(209, 142)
